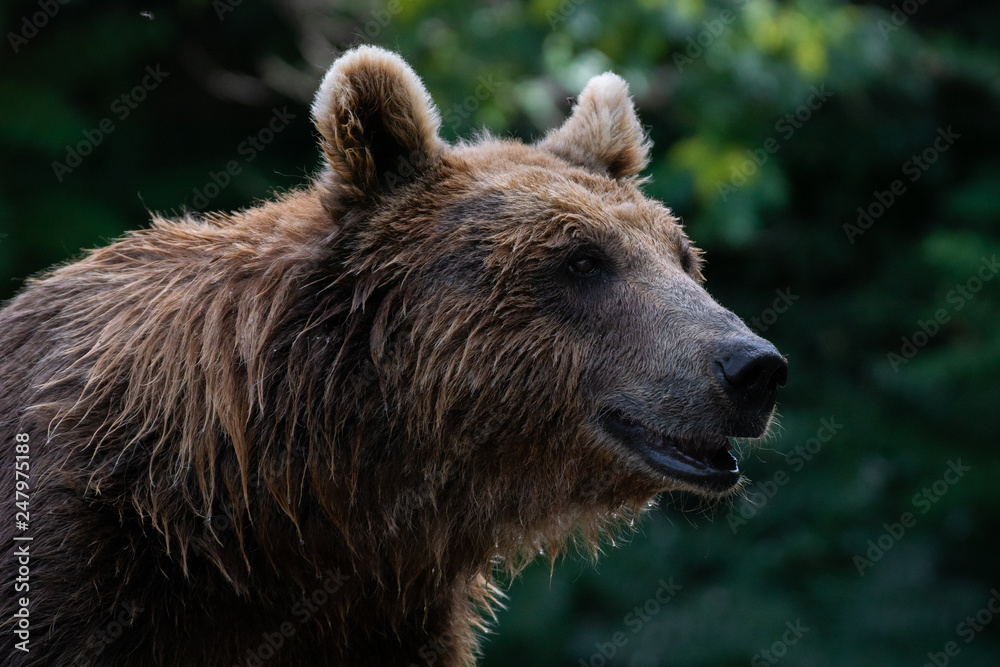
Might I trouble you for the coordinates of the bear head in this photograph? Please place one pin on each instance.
(536, 323)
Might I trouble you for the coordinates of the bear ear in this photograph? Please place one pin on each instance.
(378, 125)
(603, 133)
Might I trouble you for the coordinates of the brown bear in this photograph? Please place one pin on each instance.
(309, 433)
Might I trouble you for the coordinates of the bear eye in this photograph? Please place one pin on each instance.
(687, 260)
(584, 266)
(689, 257)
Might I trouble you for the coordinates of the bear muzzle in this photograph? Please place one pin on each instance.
(748, 370)
(706, 461)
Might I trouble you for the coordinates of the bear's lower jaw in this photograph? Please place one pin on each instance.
(704, 462)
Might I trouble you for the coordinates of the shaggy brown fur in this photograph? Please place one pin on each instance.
(311, 431)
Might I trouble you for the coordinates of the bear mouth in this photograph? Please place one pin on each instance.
(704, 461)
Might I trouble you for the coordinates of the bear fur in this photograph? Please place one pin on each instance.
(310, 432)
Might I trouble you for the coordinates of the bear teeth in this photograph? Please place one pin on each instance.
(704, 450)
(698, 458)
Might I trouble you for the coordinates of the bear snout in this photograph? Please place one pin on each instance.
(750, 369)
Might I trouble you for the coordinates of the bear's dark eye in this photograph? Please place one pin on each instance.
(689, 257)
(687, 260)
(584, 266)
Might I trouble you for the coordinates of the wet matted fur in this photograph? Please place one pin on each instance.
(334, 415)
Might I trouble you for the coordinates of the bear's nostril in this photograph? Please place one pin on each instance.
(751, 371)
(764, 372)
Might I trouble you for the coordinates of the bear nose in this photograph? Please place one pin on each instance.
(750, 370)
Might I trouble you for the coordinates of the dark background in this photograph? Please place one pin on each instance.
(880, 434)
